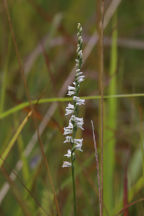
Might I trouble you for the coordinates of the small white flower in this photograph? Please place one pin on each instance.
(80, 78)
(78, 72)
(78, 121)
(68, 153)
(78, 49)
(78, 147)
(71, 90)
(66, 164)
(78, 144)
(80, 53)
(79, 27)
(78, 100)
(80, 39)
(68, 139)
(69, 129)
(78, 141)
(69, 109)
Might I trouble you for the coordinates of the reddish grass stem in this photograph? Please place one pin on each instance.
(100, 27)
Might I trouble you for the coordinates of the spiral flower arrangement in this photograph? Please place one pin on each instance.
(72, 109)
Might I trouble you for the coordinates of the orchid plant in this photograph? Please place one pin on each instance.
(72, 109)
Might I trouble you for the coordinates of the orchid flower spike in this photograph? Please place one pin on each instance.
(72, 109)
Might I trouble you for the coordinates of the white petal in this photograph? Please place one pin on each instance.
(68, 153)
(77, 147)
(68, 139)
(67, 131)
(71, 88)
(80, 78)
(78, 144)
(69, 109)
(66, 164)
(78, 121)
(78, 100)
(70, 93)
(78, 141)
(77, 70)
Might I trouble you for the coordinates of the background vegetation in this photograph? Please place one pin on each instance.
(37, 52)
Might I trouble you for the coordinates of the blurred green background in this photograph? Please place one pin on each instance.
(45, 34)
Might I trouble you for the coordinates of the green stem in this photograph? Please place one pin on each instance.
(74, 188)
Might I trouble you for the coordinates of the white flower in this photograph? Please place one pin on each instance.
(68, 153)
(78, 100)
(77, 63)
(78, 144)
(74, 83)
(69, 109)
(80, 39)
(78, 121)
(66, 164)
(78, 141)
(77, 60)
(69, 129)
(79, 52)
(78, 147)
(78, 72)
(68, 139)
(71, 90)
(79, 28)
(80, 78)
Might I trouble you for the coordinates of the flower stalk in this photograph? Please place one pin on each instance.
(75, 122)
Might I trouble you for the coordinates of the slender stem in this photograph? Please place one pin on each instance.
(73, 183)
(100, 27)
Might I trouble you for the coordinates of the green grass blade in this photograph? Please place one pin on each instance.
(4, 80)
(65, 99)
(14, 138)
(25, 169)
(110, 127)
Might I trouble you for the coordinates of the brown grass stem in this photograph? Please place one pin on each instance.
(100, 28)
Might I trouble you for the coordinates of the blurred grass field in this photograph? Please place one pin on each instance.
(37, 58)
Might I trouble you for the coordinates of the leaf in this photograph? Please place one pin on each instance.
(13, 140)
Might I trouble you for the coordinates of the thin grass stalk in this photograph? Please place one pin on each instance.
(4, 81)
(66, 99)
(25, 169)
(13, 140)
(100, 28)
(97, 166)
(141, 138)
(22, 203)
(110, 123)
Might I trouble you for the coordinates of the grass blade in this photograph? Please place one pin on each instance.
(14, 138)
(110, 123)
